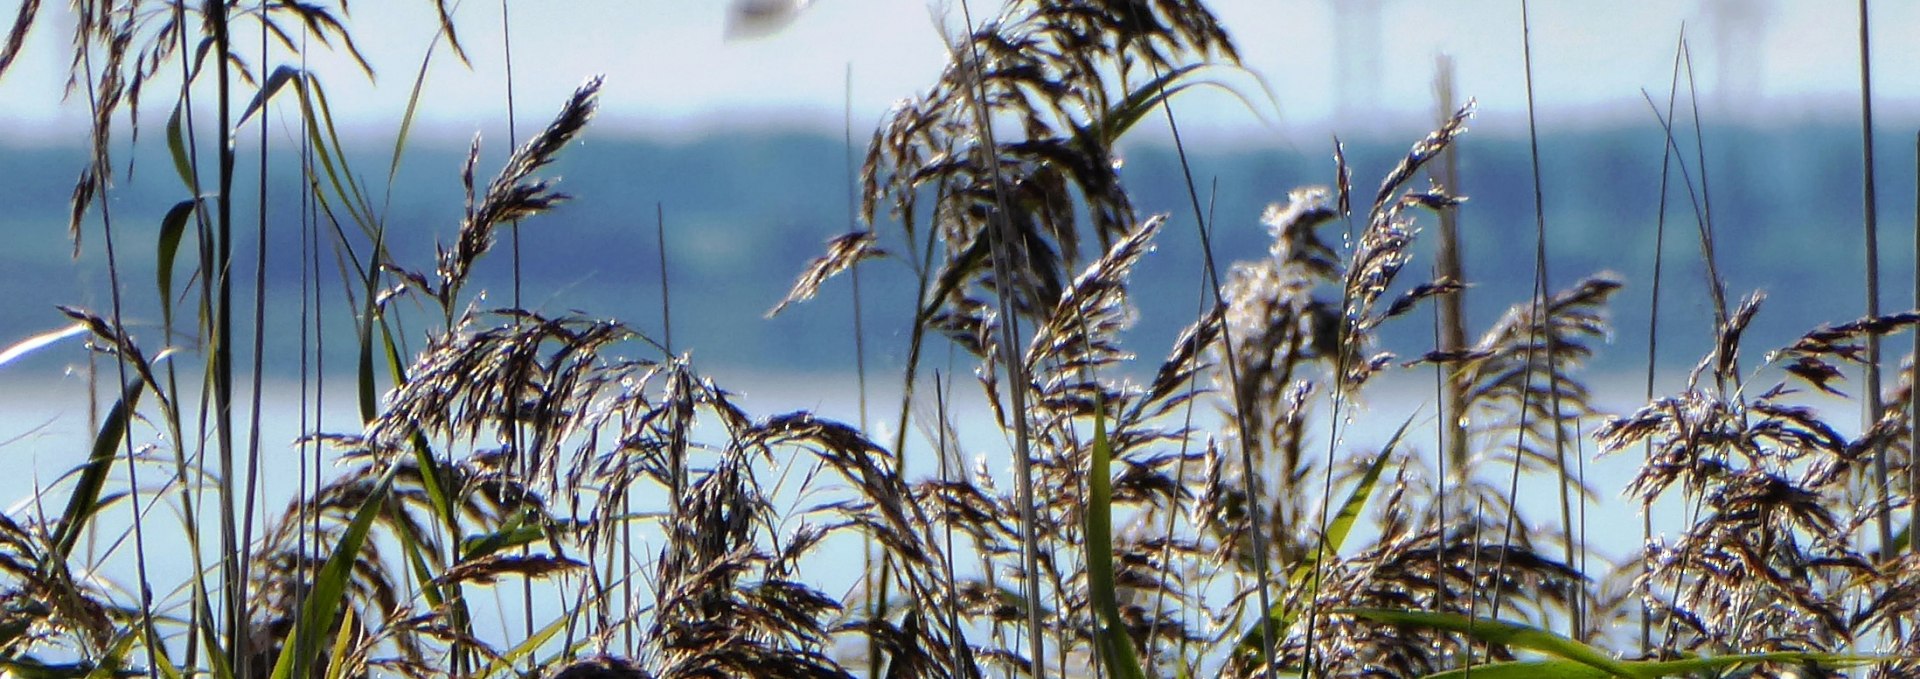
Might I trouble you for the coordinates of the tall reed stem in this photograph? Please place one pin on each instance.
(999, 234)
(1541, 324)
(219, 273)
(1653, 324)
(1870, 223)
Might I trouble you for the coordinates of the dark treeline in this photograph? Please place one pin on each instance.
(744, 211)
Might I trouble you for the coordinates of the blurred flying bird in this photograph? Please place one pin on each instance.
(756, 18)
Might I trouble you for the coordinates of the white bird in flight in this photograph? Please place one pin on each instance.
(755, 18)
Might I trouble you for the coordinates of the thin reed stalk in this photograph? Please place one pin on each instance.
(1653, 322)
(1211, 281)
(1540, 291)
(1870, 226)
(149, 634)
(1449, 329)
(254, 471)
(220, 270)
(1451, 309)
(998, 234)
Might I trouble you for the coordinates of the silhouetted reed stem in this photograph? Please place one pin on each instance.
(1871, 228)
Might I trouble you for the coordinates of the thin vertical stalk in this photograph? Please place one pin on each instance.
(513, 141)
(1705, 230)
(1449, 326)
(1913, 378)
(219, 273)
(1452, 307)
(513, 414)
(999, 232)
(312, 357)
(1201, 311)
(149, 636)
(1256, 522)
(1870, 223)
(1540, 324)
(853, 223)
(677, 452)
(1716, 285)
(677, 461)
(1653, 330)
(916, 343)
(200, 618)
(1449, 323)
(942, 448)
(259, 336)
(875, 581)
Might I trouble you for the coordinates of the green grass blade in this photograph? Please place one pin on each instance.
(406, 119)
(1669, 668)
(329, 595)
(1283, 615)
(1142, 99)
(431, 475)
(1116, 648)
(112, 665)
(1573, 669)
(1505, 633)
(366, 391)
(1342, 523)
(275, 82)
(177, 148)
(26, 667)
(325, 141)
(337, 669)
(423, 574)
(1527, 669)
(514, 655)
(1145, 98)
(157, 654)
(172, 227)
(523, 528)
(356, 201)
(85, 499)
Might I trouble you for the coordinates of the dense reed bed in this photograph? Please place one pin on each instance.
(564, 496)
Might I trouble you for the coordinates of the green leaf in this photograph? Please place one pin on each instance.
(113, 665)
(1124, 115)
(1573, 669)
(1116, 648)
(337, 669)
(329, 595)
(85, 499)
(406, 119)
(353, 197)
(324, 139)
(275, 82)
(26, 667)
(172, 227)
(366, 388)
(1504, 633)
(432, 475)
(157, 654)
(507, 660)
(1342, 522)
(521, 529)
(423, 574)
(1141, 101)
(1282, 616)
(177, 147)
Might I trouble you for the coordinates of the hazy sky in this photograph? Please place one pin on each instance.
(670, 68)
